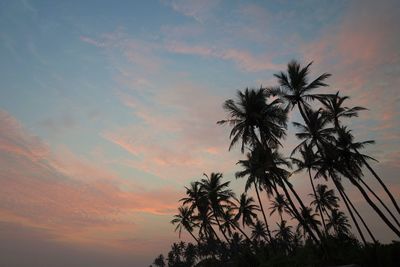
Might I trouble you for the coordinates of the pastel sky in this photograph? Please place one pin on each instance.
(109, 108)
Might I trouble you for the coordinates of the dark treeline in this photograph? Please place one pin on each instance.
(229, 230)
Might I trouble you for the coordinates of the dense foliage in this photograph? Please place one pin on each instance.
(237, 231)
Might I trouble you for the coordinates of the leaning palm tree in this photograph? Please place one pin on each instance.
(218, 195)
(309, 218)
(184, 219)
(334, 110)
(324, 200)
(295, 88)
(339, 223)
(253, 120)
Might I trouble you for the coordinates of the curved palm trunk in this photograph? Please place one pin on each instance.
(338, 187)
(374, 207)
(319, 207)
(297, 214)
(380, 181)
(263, 213)
(303, 207)
(380, 201)
(361, 218)
(215, 233)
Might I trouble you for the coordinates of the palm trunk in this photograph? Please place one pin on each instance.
(380, 201)
(319, 207)
(262, 210)
(380, 181)
(215, 233)
(190, 232)
(302, 206)
(361, 219)
(220, 228)
(374, 207)
(297, 214)
(338, 187)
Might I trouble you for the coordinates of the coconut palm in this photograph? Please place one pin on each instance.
(280, 205)
(295, 88)
(339, 223)
(324, 200)
(218, 196)
(309, 218)
(246, 210)
(253, 120)
(184, 219)
(258, 231)
(284, 234)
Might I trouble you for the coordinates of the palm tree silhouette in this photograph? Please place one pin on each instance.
(184, 219)
(246, 210)
(284, 234)
(253, 120)
(324, 200)
(339, 223)
(218, 195)
(295, 88)
(280, 205)
(258, 231)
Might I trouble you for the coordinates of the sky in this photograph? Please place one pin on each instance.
(109, 108)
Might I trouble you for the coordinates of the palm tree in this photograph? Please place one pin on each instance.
(280, 205)
(324, 200)
(254, 168)
(309, 218)
(159, 261)
(308, 161)
(253, 120)
(184, 219)
(218, 195)
(258, 231)
(295, 88)
(333, 108)
(339, 223)
(285, 234)
(315, 132)
(246, 210)
(197, 201)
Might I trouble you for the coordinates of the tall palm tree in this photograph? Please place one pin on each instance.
(295, 88)
(309, 218)
(195, 198)
(308, 161)
(253, 120)
(184, 219)
(254, 168)
(334, 109)
(218, 195)
(339, 223)
(324, 200)
(280, 205)
(246, 210)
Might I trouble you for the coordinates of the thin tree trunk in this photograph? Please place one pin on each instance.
(219, 225)
(380, 200)
(302, 206)
(297, 214)
(338, 187)
(193, 237)
(262, 210)
(319, 207)
(361, 218)
(215, 233)
(376, 209)
(380, 181)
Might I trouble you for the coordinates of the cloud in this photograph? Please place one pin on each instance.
(199, 10)
(67, 196)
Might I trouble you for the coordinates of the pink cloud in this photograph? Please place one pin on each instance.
(68, 196)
